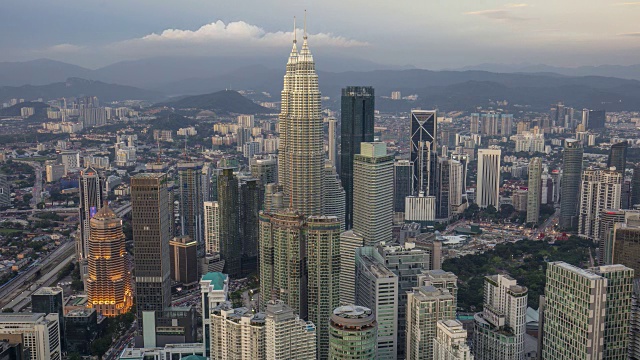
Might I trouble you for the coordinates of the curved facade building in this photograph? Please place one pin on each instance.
(353, 333)
(108, 281)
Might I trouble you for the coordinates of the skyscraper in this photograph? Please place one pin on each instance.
(334, 201)
(506, 124)
(109, 288)
(626, 245)
(249, 225)
(150, 219)
(423, 148)
(488, 178)
(5, 192)
(570, 293)
(288, 336)
(571, 177)
(499, 330)
(237, 333)
(50, 300)
(332, 151)
(597, 119)
(618, 156)
(443, 188)
(475, 123)
(353, 333)
(301, 152)
(91, 199)
(402, 182)
(230, 242)
(191, 203)
(457, 189)
(377, 289)
(212, 227)
(618, 309)
(635, 187)
(534, 193)
(426, 305)
(184, 260)
(490, 123)
(323, 264)
(357, 121)
(608, 220)
(600, 191)
(373, 193)
(37, 332)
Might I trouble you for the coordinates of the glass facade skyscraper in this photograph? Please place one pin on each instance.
(358, 105)
(571, 180)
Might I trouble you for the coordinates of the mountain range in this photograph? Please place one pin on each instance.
(221, 102)
(161, 78)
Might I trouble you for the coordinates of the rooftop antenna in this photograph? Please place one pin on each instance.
(185, 148)
(159, 151)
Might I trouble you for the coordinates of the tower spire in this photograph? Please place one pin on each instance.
(305, 24)
(295, 40)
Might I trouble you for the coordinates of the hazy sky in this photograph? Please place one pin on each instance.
(425, 33)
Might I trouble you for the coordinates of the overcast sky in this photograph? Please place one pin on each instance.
(430, 34)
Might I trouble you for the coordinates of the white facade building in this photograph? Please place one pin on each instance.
(39, 333)
(211, 227)
(287, 336)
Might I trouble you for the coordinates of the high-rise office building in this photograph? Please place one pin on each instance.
(37, 332)
(457, 189)
(608, 220)
(407, 262)
(534, 192)
(230, 242)
(618, 156)
(600, 191)
(618, 309)
(323, 266)
(287, 336)
(626, 245)
(499, 330)
(150, 220)
(264, 168)
(91, 200)
(377, 289)
(352, 333)
(50, 300)
(191, 203)
(373, 193)
(597, 119)
(184, 260)
(332, 151)
(451, 341)
(237, 334)
(443, 188)
(424, 126)
(635, 187)
(475, 123)
(301, 152)
(249, 225)
(334, 201)
(402, 182)
(426, 305)
(349, 243)
(109, 289)
(604, 295)
(488, 178)
(212, 227)
(357, 120)
(571, 179)
(464, 161)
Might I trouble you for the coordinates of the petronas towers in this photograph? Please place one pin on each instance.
(299, 242)
(301, 153)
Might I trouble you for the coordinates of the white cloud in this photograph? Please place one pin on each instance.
(506, 13)
(64, 48)
(239, 33)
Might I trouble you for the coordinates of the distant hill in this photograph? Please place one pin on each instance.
(39, 72)
(78, 87)
(221, 102)
(619, 71)
(167, 120)
(15, 110)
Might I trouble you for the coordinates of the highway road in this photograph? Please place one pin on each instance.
(24, 298)
(9, 290)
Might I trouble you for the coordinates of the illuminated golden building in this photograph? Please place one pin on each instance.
(109, 281)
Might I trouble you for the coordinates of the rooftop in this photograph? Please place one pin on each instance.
(48, 291)
(217, 279)
(576, 270)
